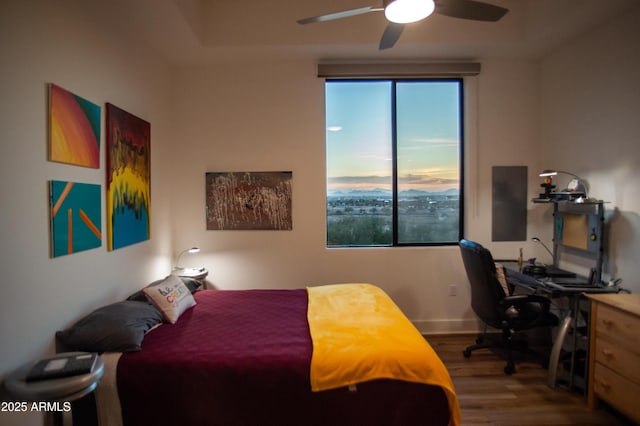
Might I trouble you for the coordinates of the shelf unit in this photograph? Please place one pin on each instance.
(578, 228)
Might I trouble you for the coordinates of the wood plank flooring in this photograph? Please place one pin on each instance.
(489, 397)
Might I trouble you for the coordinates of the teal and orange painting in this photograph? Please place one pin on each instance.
(76, 219)
(128, 179)
(74, 129)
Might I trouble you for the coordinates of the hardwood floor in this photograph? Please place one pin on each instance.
(489, 397)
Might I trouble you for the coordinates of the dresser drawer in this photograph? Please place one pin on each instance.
(610, 354)
(618, 326)
(617, 391)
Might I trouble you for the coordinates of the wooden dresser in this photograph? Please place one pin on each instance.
(614, 352)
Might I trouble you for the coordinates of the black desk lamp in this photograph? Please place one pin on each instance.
(576, 184)
(538, 240)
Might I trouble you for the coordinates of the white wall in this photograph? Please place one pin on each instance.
(508, 120)
(590, 106)
(262, 115)
(67, 43)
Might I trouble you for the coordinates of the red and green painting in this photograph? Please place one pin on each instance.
(75, 217)
(249, 200)
(74, 129)
(128, 179)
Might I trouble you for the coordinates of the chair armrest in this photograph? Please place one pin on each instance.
(521, 299)
(525, 306)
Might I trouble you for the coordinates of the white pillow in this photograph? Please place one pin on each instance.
(171, 297)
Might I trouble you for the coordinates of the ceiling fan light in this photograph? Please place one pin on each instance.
(407, 11)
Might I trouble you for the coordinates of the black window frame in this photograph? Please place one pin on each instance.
(394, 150)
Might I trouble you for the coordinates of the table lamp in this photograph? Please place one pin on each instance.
(191, 250)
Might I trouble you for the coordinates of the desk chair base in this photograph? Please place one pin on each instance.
(506, 342)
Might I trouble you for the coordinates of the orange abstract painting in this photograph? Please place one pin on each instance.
(74, 129)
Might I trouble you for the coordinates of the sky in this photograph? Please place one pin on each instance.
(359, 133)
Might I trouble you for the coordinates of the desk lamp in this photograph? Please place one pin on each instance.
(179, 268)
(539, 241)
(576, 184)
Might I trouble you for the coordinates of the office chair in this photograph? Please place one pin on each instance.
(506, 312)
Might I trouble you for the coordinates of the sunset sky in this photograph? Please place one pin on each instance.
(358, 120)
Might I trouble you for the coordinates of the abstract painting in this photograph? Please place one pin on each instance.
(76, 219)
(248, 200)
(128, 179)
(74, 129)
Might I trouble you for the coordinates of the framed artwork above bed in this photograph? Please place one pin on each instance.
(248, 201)
(75, 214)
(128, 178)
(74, 129)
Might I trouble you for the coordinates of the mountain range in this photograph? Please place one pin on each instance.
(386, 193)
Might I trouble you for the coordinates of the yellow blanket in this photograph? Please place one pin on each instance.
(359, 334)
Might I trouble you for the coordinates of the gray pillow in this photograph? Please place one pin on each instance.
(119, 327)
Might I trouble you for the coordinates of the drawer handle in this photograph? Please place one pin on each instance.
(605, 385)
(607, 322)
(608, 353)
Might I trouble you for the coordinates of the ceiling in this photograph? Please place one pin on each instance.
(196, 31)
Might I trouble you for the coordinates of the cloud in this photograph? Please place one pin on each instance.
(433, 143)
(410, 181)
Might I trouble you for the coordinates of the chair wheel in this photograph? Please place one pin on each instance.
(509, 369)
(466, 353)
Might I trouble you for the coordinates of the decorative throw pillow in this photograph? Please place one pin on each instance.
(502, 278)
(192, 285)
(118, 327)
(171, 296)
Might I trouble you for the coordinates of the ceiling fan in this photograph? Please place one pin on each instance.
(401, 12)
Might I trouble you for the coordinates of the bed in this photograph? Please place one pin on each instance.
(330, 355)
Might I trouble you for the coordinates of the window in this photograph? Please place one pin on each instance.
(394, 152)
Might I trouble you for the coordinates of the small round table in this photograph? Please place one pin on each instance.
(198, 274)
(68, 388)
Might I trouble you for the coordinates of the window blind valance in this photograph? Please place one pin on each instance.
(398, 70)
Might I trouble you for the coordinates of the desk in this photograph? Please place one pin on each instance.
(545, 285)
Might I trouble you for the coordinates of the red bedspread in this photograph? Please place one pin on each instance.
(242, 358)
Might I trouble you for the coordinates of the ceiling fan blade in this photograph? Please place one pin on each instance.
(470, 9)
(391, 35)
(339, 15)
